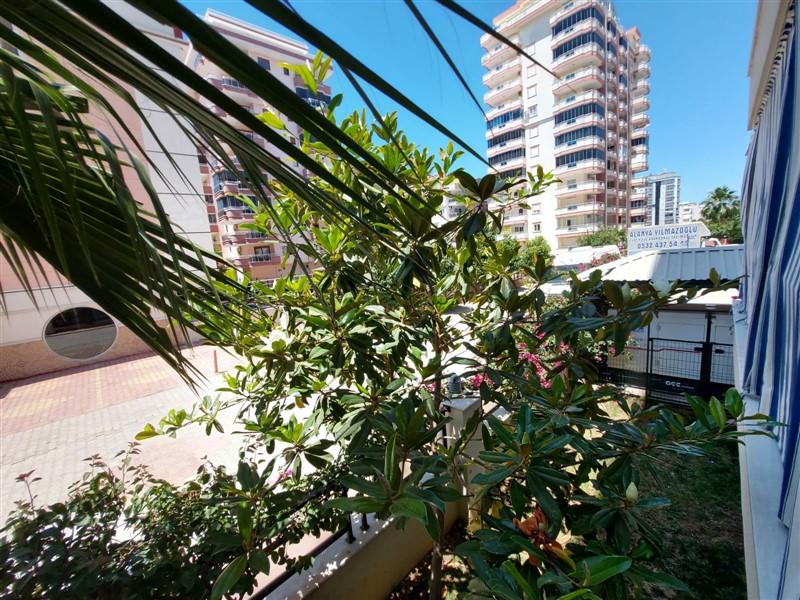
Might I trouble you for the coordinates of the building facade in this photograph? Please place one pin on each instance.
(580, 113)
(767, 315)
(64, 328)
(258, 255)
(689, 212)
(663, 192)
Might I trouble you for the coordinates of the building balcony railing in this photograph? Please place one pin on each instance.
(643, 70)
(640, 103)
(638, 182)
(580, 209)
(505, 165)
(638, 166)
(235, 214)
(641, 88)
(504, 91)
(246, 237)
(581, 144)
(577, 81)
(508, 106)
(575, 99)
(502, 72)
(578, 28)
(644, 52)
(255, 259)
(640, 149)
(571, 7)
(640, 118)
(591, 165)
(591, 54)
(582, 121)
(575, 229)
(576, 189)
(498, 55)
(505, 146)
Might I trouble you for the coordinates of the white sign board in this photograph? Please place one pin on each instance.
(666, 237)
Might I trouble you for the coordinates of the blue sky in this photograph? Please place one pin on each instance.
(700, 51)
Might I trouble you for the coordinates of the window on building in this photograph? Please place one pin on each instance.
(536, 209)
(537, 227)
(579, 111)
(592, 153)
(533, 111)
(262, 253)
(531, 70)
(532, 91)
(500, 120)
(504, 138)
(533, 132)
(577, 134)
(285, 71)
(263, 63)
(578, 41)
(503, 157)
(519, 228)
(520, 211)
(212, 218)
(534, 151)
(80, 333)
(577, 17)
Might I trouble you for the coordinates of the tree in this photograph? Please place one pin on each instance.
(604, 237)
(528, 251)
(344, 374)
(721, 213)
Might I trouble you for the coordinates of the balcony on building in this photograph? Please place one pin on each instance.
(575, 6)
(588, 166)
(641, 88)
(578, 122)
(571, 190)
(576, 99)
(639, 164)
(643, 70)
(580, 144)
(587, 55)
(640, 149)
(644, 52)
(639, 182)
(578, 81)
(506, 165)
(640, 103)
(578, 28)
(499, 53)
(575, 230)
(579, 208)
(502, 72)
(505, 107)
(503, 92)
(512, 144)
(640, 119)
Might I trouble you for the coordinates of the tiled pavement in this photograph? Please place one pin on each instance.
(51, 423)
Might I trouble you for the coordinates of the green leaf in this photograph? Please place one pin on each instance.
(359, 504)
(733, 403)
(493, 477)
(663, 579)
(229, 577)
(581, 593)
(410, 508)
(244, 518)
(147, 432)
(718, 413)
(247, 476)
(614, 293)
(600, 568)
(259, 562)
(271, 120)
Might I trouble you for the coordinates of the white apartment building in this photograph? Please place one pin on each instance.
(581, 113)
(689, 212)
(663, 193)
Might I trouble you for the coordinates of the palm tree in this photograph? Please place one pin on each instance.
(722, 203)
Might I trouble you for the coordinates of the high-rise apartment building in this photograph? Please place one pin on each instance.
(257, 254)
(581, 113)
(663, 193)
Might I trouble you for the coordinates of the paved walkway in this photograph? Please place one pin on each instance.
(51, 423)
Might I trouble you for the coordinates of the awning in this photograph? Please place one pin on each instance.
(689, 265)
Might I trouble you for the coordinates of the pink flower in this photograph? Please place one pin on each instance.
(477, 380)
(286, 474)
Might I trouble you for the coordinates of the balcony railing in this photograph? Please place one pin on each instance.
(573, 229)
(586, 187)
(590, 119)
(589, 52)
(503, 90)
(580, 208)
(572, 82)
(571, 7)
(502, 71)
(592, 164)
(591, 141)
(577, 28)
(578, 98)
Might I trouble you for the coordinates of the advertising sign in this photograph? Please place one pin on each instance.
(666, 237)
